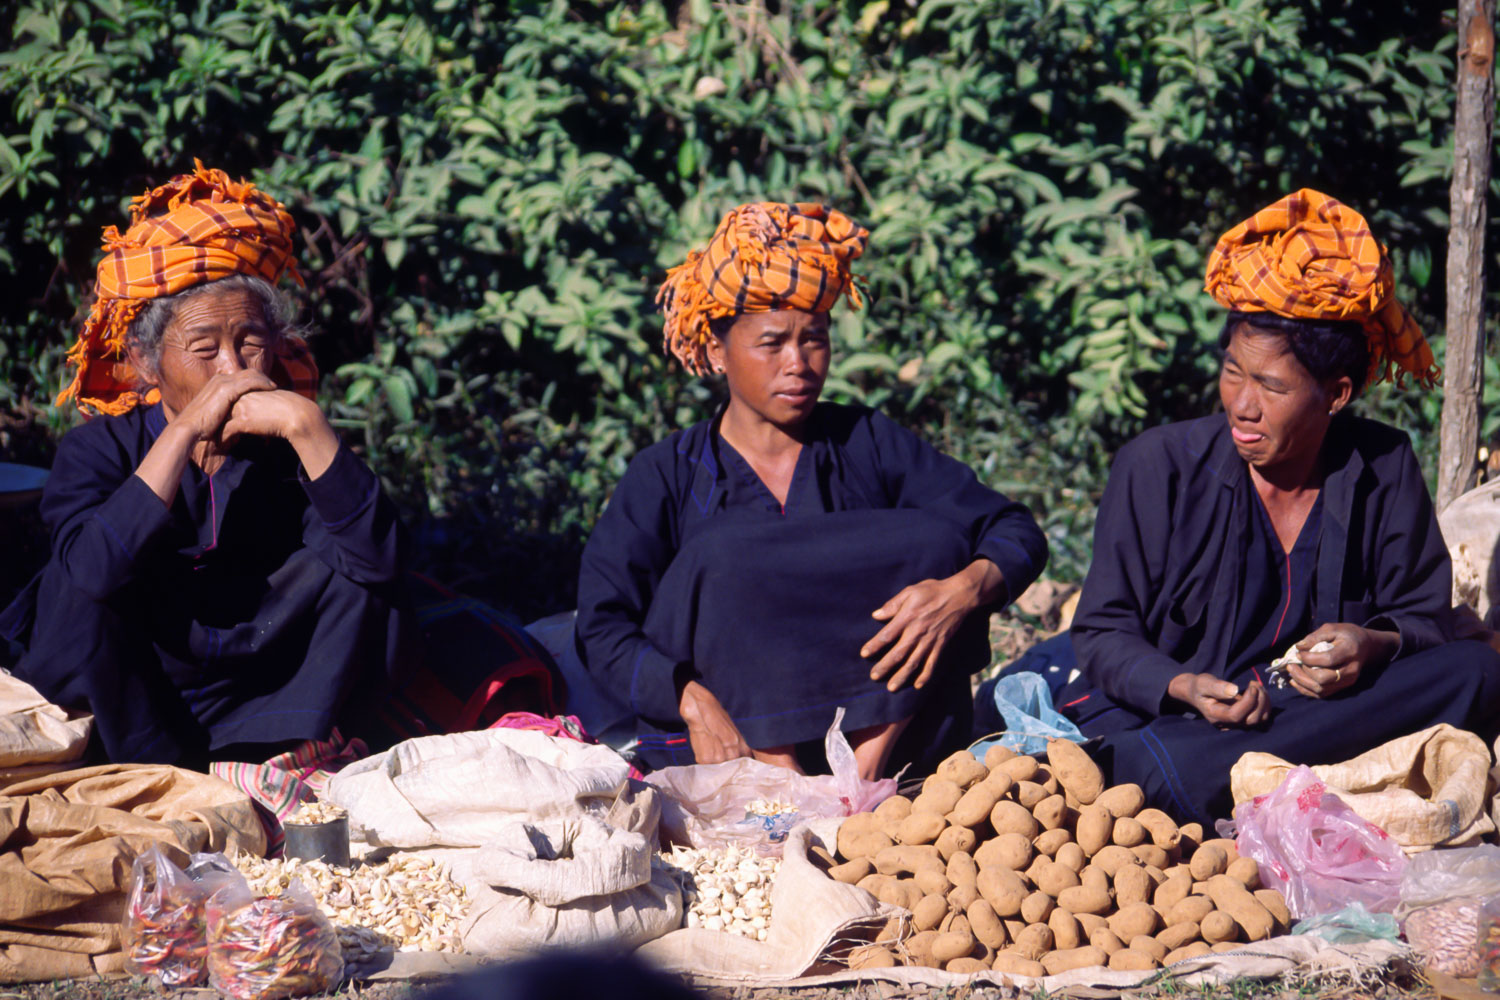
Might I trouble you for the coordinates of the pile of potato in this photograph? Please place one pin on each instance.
(1033, 869)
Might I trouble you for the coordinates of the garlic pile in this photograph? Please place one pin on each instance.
(313, 813)
(725, 888)
(406, 903)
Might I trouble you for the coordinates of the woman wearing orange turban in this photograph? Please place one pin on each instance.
(222, 567)
(759, 570)
(1284, 520)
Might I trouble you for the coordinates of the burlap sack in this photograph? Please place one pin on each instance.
(1425, 790)
(455, 790)
(66, 844)
(33, 731)
(1471, 530)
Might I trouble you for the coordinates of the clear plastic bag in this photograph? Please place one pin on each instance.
(754, 804)
(1444, 936)
(1351, 925)
(1441, 894)
(1488, 949)
(164, 933)
(270, 947)
(1316, 851)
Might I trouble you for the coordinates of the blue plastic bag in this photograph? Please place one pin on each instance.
(1351, 925)
(1025, 703)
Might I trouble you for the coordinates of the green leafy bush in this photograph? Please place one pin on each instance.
(491, 192)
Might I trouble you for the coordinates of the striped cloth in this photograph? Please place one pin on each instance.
(1309, 256)
(194, 229)
(764, 256)
(279, 785)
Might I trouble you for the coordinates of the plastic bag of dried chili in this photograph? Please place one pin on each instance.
(164, 933)
(270, 947)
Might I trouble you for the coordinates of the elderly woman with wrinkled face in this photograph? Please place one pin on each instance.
(222, 583)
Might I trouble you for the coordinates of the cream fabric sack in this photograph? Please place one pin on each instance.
(1425, 790)
(33, 730)
(457, 790)
(1471, 530)
(567, 883)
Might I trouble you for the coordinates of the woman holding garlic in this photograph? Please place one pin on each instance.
(757, 571)
(1223, 541)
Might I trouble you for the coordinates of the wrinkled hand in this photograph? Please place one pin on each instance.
(1220, 701)
(919, 621)
(205, 416)
(711, 732)
(1355, 648)
(277, 413)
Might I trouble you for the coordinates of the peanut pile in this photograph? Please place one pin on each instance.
(725, 889)
(406, 903)
(1033, 869)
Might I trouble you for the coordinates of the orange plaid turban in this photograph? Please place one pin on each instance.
(1311, 257)
(764, 256)
(194, 229)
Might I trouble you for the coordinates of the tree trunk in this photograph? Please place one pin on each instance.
(1463, 368)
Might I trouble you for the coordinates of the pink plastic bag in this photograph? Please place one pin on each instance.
(1313, 848)
(754, 804)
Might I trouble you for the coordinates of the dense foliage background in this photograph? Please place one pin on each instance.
(490, 193)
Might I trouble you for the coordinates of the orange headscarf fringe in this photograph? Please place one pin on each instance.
(196, 228)
(763, 256)
(1309, 256)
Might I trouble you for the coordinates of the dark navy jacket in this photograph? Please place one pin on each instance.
(1173, 529)
(254, 609)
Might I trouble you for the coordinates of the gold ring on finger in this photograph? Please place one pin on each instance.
(1338, 674)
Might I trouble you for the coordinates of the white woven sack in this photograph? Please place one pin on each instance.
(457, 790)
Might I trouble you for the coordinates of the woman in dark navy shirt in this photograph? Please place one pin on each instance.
(757, 571)
(223, 569)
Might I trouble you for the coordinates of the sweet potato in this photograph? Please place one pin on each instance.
(860, 836)
(1148, 945)
(1160, 827)
(1208, 861)
(1066, 932)
(1053, 878)
(966, 965)
(900, 892)
(871, 956)
(1047, 780)
(1013, 926)
(1083, 899)
(1150, 854)
(1003, 890)
(939, 795)
(1074, 958)
(1196, 949)
(962, 769)
(1218, 926)
(1020, 768)
(1075, 770)
(1171, 892)
(907, 860)
(986, 924)
(954, 839)
(1178, 935)
(1133, 920)
(960, 897)
(1155, 874)
(921, 827)
(933, 881)
(1028, 793)
(918, 948)
(952, 944)
(897, 808)
(997, 755)
(1112, 857)
(962, 869)
(1012, 817)
(1095, 825)
(1033, 942)
(1225, 844)
(1244, 871)
(1106, 940)
(1051, 812)
(1007, 850)
(1233, 898)
(1189, 910)
(1037, 907)
(1192, 838)
(1122, 800)
(1130, 960)
(874, 882)
(1275, 904)
(1132, 885)
(1011, 964)
(851, 872)
(929, 912)
(1088, 923)
(1070, 855)
(975, 805)
(1128, 832)
(1093, 877)
(1049, 842)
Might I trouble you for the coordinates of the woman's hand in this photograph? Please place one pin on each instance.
(286, 415)
(1354, 650)
(711, 732)
(923, 617)
(1220, 701)
(197, 430)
